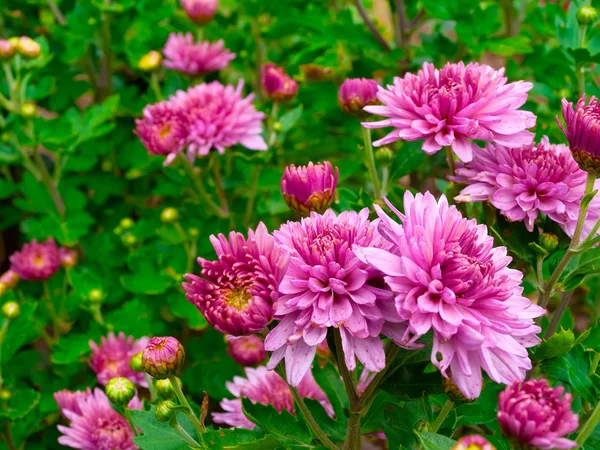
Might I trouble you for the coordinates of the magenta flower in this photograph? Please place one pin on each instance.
(200, 11)
(68, 257)
(451, 106)
(163, 357)
(195, 58)
(524, 182)
(219, 117)
(163, 129)
(534, 414)
(267, 388)
(111, 358)
(447, 277)
(356, 93)
(277, 85)
(37, 261)
(94, 424)
(582, 132)
(473, 442)
(309, 188)
(236, 292)
(246, 350)
(9, 279)
(325, 286)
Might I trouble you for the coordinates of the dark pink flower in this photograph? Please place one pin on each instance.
(246, 350)
(534, 414)
(236, 292)
(473, 442)
(448, 277)
(163, 357)
(451, 106)
(200, 11)
(278, 85)
(111, 358)
(36, 261)
(309, 188)
(356, 93)
(163, 129)
(195, 58)
(267, 388)
(325, 286)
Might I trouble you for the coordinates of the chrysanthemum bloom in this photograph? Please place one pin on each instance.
(195, 58)
(236, 292)
(325, 286)
(28, 47)
(267, 388)
(111, 358)
(356, 93)
(448, 277)
(582, 130)
(36, 261)
(68, 257)
(309, 188)
(9, 279)
(94, 424)
(535, 414)
(524, 182)
(246, 350)
(200, 11)
(163, 357)
(448, 107)
(473, 442)
(163, 129)
(277, 85)
(219, 117)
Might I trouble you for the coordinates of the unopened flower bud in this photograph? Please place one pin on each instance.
(309, 188)
(165, 388)
(165, 411)
(473, 442)
(277, 84)
(453, 392)
(314, 72)
(96, 296)
(356, 93)
(6, 49)
(11, 310)
(28, 47)
(5, 395)
(586, 15)
(3, 289)
(169, 215)
(126, 223)
(150, 62)
(120, 390)
(200, 11)
(14, 41)
(136, 362)
(68, 257)
(246, 350)
(277, 126)
(548, 241)
(129, 240)
(163, 357)
(193, 232)
(28, 110)
(384, 155)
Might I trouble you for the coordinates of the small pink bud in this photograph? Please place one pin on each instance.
(163, 357)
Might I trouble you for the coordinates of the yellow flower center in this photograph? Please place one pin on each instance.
(238, 298)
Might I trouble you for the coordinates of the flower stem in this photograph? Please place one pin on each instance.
(155, 85)
(56, 11)
(556, 315)
(450, 158)
(106, 63)
(589, 425)
(370, 162)
(197, 182)
(186, 437)
(128, 417)
(49, 183)
(188, 412)
(3, 331)
(52, 311)
(439, 420)
(151, 388)
(216, 167)
(252, 195)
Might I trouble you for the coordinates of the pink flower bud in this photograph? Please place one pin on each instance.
(200, 11)
(163, 357)
(278, 85)
(356, 93)
(309, 188)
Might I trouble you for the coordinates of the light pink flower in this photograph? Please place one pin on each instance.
(447, 277)
(36, 261)
(163, 129)
(246, 350)
(195, 58)
(451, 106)
(200, 11)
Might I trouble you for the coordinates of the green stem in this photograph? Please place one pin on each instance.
(439, 420)
(52, 311)
(352, 441)
(49, 183)
(187, 247)
(539, 270)
(370, 162)
(369, 393)
(580, 68)
(385, 180)
(186, 437)
(188, 412)
(595, 362)
(216, 168)
(596, 311)
(556, 315)
(106, 63)
(252, 195)
(197, 182)
(151, 388)
(56, 11)
(155, 85)
(450, 158)
(128, 417)
(589, 426)
(3, 331)
(97, 315)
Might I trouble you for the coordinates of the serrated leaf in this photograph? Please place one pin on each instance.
(557, 345)
(284, 425)
(433, 441)
(21, 402)
(159, 435)
(239, 439)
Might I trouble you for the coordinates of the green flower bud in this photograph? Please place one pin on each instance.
(193, 232)
(11, 310)
(169, 215)
(384, 155)
(129, 240)
(548, 241)
(6, 49)
(277, 126)
(96, 296)
(126, 223)
(120, 391)
(586, 15)
(164, 411)
(165, 388)
(28, 110)
(136, 362)
(5, 395)
(150, 62)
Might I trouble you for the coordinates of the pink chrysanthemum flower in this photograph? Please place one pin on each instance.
(325, 286)
(277, 85)
(473, 442)
(246, 350)
(94, 424)
(195, 58)
(163, 129)
(111, 358)
(200, 11)
(356, 93)
(534, 414)
(236, 292)
(309, 188)
(36, 261)
(524, 182)
(451, 106)
(448, 277)
(219, 117)
(267, 388)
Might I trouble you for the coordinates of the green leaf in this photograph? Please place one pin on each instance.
(74, 347)
(20, 331)
(159, 435)
(284, 425)
(411, 382)
(239, 439)
(147, 321)
(290, 118)
(557, 345)
(21, 402)
(433, 441)
(408, 158)
(401, 420)
(328, 379)
(182, 309)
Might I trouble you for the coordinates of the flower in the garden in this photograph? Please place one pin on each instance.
(246, 350)
(236, 292)
(448, 278)
(267, 388)
(6, 49)
(327, 286)
(9, 279)
(163, 357)
(111, 358)
(277, 84)
(309, 188)
(219, 117)
(582, 130)
(453, 105)
(68, 257)
(150, 62)
(94, 424)
(356, 93)
(195, 58)
(537, 415)
(36, 261)
(163, 128)
(200, 11)
(473, 442)
(28, 47)
(525, 182)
